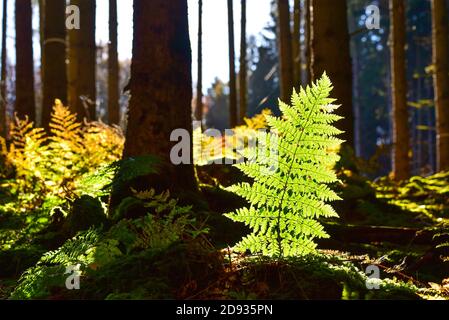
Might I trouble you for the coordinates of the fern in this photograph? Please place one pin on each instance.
(290, 189)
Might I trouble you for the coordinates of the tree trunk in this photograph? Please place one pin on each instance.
(82, 62)
(308, 42)
(285, 51)
(331, 54)
(53, 47)
(3, 93)
(161, 85)
(199, 84)
(232, 76)
(296, 44)
(243, 66)
(113, 67)
(400, 157)
(25, 105)
(440, 43)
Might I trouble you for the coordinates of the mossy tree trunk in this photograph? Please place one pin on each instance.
(53, 48)
(401, 135)
(161, 85)
(25, 105)
(440, 44)
(330, 46)
(285, 50)
(82, 62)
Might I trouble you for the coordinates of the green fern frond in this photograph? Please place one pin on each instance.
(290, 191)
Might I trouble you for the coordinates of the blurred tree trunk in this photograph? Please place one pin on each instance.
(199, 84)
(161, 85)
(296, 44)
(243, 65)
(82, 62)
(113, 67)
(53, 47)
(285, 50)
(232, 76)
(440, 43)
(330, 45)
(308, 43)
(3, 93)
(25, 104)
(401, 135)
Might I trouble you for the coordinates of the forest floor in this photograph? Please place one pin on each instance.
(400, 229)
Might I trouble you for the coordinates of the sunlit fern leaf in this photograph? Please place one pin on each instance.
(291, 168)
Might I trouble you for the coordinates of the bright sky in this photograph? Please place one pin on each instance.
(215, 32)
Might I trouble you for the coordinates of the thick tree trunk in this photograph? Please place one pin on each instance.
(400, 157)
(113, 67)
(330, 45)
(199, 84)
(82, 62)
(25, 105)
(232, 76)
(440, 43)
(296, 45)
(243, 66)
(3, 93)
(285, 50)
(53, 47)
(161, 85)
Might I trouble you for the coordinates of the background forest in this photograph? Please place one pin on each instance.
(88, 185)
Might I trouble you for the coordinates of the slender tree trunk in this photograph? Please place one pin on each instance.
(53, 47)
(296, 45)
(440, 44)
(401, 145)
(331, 54)
(243, 65)
(82, 62)
(199, 84)
(3, 93)
(113, 67)
(232, 76)
(308, 42)
(25, 104)
(285, 50)
(161, 86)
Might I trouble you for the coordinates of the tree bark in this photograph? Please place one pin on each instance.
(53, 69)
(296, 45)
(199, 84)
(113, 67)
(243, 66)
(3, 93)
(440, 44)
(25, 105)
(232, 76)
(401, 138)
(285, 51)
(82, 62)
(308, 42)
(161, 85)
(330, 45)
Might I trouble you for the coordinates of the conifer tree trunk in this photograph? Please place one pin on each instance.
(296, 44)
(440, 44)
(82, 62)
(232, 76)
(113, 67)
(199, 84)
(3, 93)
(25, 104)
(243, 65)
(330, 45)
(308, 43)
(285, 50)
(161, 85)
(53, 47)
(401, 144)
